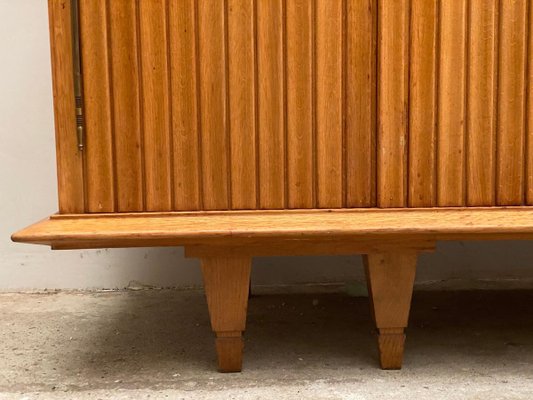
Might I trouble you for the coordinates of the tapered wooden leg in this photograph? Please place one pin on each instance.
(390, 278)
(226, 282)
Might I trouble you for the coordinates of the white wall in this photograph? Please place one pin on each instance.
(28, 193)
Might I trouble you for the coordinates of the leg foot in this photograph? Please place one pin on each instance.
(391, 345)
(390, 279)
(226, 282)
(229, 351)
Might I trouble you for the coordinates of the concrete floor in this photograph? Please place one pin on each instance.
(158, 344)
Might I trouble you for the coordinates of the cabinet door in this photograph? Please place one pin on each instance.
(273, 104)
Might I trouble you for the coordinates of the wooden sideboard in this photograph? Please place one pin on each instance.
(240, 128)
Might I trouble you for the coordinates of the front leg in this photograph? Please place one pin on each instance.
(227, 282)
(390, 278)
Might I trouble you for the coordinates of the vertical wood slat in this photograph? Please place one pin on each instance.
(242, 110)
(126, 103)
(360, 107)
(393, 70)
(423, 103)
(329, 102)
(270, 103)
(511, 103)
(97, 103)
(529, 109)
(451, 115)
(184, 105)
(481, 102)
(212, 55)
(300, 99)
(155, 104)
(69, 159)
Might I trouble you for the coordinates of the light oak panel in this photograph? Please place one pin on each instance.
(242, 104)
(271, 116)
(329, 103)
(300, 103)
(99, 177)
(213, 103)
(157, 135)
(423, 103)
(511, 103)
(360, 102)
(271, 104)
(69, 158)
(451, 115)
(393, 88)
(126, 106)
(481, 102)
(529, 109)
(185, 113)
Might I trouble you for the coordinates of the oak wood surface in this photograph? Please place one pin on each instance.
(274, 104)
(511, 102)
(481, 101)
(393, 87)
(213, 104)
(271, 103)
(360, 74)
(529, 110)
(423, 103)
(451, 108)
(242, 105)
(390, 279)
(71, 191)
(301, 129)
(329, 103)
(98, 103)
(238, 227)
(185, 111)
(226, 284)
(126, 106)
(157, 132)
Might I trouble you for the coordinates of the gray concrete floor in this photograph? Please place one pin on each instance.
(158, 344)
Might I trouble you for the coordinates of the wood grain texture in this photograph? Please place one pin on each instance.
(300, 103)
(242, 104)
(226, 284)
(423, 103)
(185, 112)
(213, 100)
(329, 103)
(481, 103)
(69, 159)
(271, 116)
(451, 115)
(393, 87)
(360, 108)
(156, 105)
(176, 229)
(100, 187)
(308, 247)
(126, 106)
(529, 110)
(511, 103)
(391, 345)
(275, 104)
(390, 278)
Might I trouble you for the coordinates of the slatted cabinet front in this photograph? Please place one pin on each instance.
(272, 104)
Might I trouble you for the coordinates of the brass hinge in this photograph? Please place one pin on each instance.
(76, 66)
